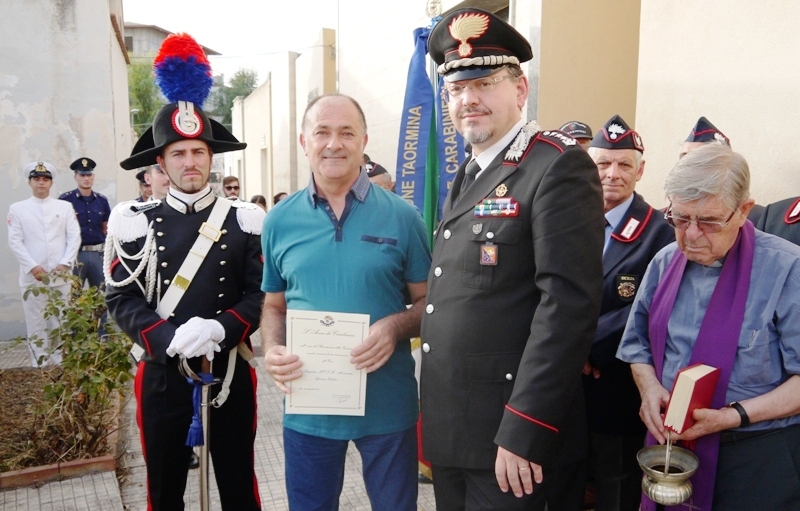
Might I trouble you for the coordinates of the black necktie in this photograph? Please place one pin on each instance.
(469, 177)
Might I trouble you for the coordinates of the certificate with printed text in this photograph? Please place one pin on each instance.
(330, 384)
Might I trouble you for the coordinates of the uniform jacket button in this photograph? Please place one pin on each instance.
(426, 347)
(509, 376)
(447, 234)
(429, 308)
(159, 234)
(164, 264)
(222, 263)
(223, 247)
(222, 279)
(161, 248)
(437, 271)
(221, 295)
(166, 281)
(489, 235)
(159, 219)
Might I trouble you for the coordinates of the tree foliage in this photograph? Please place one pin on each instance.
(143, 93)
(242, 83)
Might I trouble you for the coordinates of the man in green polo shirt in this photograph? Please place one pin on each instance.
(346, 245)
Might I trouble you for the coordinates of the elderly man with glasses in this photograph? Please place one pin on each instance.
(514, 289)
(728, 296)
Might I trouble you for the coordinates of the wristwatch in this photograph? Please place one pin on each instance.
(739, 408)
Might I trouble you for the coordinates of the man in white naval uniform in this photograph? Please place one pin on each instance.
(44, 236)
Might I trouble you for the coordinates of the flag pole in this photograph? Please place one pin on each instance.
(433, 10)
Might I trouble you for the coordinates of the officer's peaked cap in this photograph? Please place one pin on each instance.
(472, 43)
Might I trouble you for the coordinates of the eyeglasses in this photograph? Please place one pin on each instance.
(479, 86)
(707, 226)
(231, 187)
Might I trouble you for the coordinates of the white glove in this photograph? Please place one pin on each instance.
(208, 349)
(197, 337)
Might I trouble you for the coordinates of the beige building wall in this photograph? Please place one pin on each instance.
(584, 66)
(284, 124)
(235, 160)
(255, 179)
(268, 121)
(732, 61)
(315, 70)
(588, 61)
(375, 46)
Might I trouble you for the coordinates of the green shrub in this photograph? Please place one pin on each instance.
(75, 415)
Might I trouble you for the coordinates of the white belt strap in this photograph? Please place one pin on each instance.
(246, 354)
(210, 233)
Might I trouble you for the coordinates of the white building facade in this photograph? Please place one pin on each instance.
(63, 94)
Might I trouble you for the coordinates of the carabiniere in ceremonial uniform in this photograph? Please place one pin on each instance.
(191, 259)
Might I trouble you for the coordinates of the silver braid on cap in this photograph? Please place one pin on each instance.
(491, 60)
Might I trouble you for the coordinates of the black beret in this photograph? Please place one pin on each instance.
(140, 176)
(83, 165)
(375, 169)
(704, 131)
(576, 129)
(471, 43)
(616, 134)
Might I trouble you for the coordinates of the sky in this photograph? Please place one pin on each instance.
(245, 32)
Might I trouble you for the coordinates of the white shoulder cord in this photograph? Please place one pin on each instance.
(147, 257)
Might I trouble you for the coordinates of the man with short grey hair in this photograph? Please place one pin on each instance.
(725, 295)
(634, 233)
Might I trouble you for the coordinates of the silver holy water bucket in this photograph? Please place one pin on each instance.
(667, 489)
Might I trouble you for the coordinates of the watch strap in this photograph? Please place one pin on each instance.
(742, 413)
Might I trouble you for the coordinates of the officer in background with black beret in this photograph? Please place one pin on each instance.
(634, 233)
(579, 131)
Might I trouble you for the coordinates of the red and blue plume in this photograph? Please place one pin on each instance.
(182, 70)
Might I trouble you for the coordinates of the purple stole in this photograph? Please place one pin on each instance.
(716, 346)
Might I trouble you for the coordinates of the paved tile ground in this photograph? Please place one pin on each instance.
(101, 491)
(93, 491)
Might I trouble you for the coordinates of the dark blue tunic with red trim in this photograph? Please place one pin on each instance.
(508, 328)
(612, 400)
(227, 288)
(782, 219)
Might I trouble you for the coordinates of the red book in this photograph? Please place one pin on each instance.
(694, 388)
